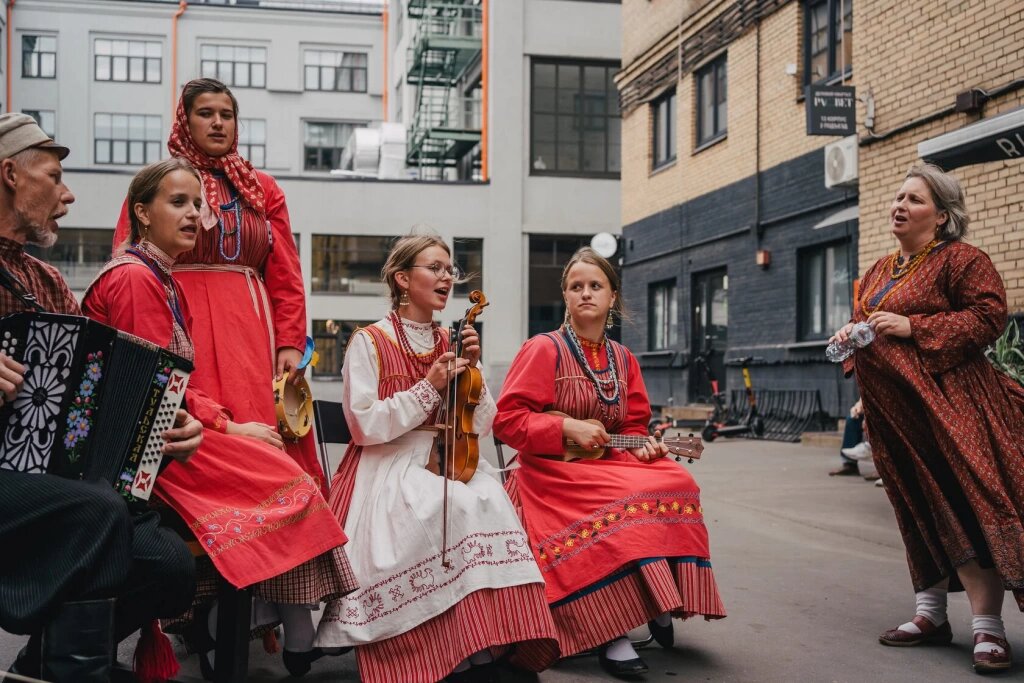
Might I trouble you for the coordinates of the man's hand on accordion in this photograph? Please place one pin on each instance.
(11, 375)
(184, 438)
(258, 431)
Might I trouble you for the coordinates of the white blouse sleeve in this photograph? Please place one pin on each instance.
(483, 415)
(371, 420)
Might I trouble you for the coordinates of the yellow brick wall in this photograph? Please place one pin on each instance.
(696, 173)
(645, 22)
(915, 57)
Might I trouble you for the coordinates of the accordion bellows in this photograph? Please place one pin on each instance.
(94, 404)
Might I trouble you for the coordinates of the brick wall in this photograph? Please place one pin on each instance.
(697, 172)
(915, 56)
(680, 242)
(645, 22)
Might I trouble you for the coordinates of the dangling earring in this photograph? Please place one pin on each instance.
(145, 231)
(610, 323)
(403, 298)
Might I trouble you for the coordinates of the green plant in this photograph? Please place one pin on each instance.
(1006, 354)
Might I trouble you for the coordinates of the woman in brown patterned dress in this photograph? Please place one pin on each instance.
(946, 426)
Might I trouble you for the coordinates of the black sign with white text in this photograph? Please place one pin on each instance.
(831, 110)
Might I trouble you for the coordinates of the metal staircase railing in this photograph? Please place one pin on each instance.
(447, 40)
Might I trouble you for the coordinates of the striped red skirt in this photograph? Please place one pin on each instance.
(498, 620)
(683, 586)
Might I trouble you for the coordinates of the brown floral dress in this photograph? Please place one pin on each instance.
(947, 429)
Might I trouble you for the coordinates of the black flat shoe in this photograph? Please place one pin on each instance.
(629, 669)
(299, 663)
(663, 635)
(29, 660)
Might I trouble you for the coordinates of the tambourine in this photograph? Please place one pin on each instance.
(293, 404)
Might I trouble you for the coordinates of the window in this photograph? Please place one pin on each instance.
(330, 338)
(235, 65)
(574, 123)
(339, 71)
(252, 141)
(662, 315)
(127, 139)
(548, 255)
(828, 40)
(137, 61)
(78, 254)
(46, 119)
(349, 264)
(711, 102)
(469, 255)
(824, 290)
(324, 143)
(664, 123)
(39, 56)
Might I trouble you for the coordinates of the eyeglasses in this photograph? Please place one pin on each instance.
(439, 271)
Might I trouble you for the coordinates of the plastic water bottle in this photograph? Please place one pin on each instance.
(861, 335)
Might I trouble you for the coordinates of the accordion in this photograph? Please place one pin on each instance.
(94, 404)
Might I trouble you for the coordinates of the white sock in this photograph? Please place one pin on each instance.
(621, 650)
(991, 624)
(211, 622)
(931, 604)
(482, 657)
(298, 627)
(462, 666)
(664, 619)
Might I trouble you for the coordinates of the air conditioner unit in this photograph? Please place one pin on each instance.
(841, 162)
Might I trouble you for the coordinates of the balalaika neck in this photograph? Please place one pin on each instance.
(621, 441)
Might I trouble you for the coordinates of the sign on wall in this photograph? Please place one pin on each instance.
(831, 110)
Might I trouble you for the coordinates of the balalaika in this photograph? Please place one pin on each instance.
(94, 403)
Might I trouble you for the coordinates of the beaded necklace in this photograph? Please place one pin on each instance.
(898, 273)
(607, 387)
(235, 207)
(403, 341)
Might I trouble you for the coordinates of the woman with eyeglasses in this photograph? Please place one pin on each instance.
(416, 618)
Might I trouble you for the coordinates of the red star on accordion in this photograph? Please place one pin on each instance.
(143, 480)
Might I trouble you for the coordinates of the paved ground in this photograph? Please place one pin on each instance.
(811, 569)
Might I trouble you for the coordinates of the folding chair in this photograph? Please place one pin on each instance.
(498, 447)
(331, 427)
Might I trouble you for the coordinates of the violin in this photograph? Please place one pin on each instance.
(460, 444)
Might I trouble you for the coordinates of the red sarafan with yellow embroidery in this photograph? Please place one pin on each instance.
(946, 427)
(618, 541)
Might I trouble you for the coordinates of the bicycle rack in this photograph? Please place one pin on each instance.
(787, 413)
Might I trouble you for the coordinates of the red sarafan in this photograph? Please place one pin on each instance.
(618, 541)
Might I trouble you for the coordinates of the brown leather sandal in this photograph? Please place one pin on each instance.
(992, 661)
(930, 634)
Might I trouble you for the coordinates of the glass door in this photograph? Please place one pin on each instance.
(710, 331)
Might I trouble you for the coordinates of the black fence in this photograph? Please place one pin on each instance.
(787, 413)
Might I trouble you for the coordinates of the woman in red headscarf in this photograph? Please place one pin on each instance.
(242, 279)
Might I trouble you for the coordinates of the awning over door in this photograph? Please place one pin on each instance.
(993, 139)
(850, 213)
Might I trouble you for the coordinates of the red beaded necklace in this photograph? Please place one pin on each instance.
(426, 359)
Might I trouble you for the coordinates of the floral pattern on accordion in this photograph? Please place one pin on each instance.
(31, 428)
(80, 417)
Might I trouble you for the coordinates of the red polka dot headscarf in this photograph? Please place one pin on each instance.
(238, 170)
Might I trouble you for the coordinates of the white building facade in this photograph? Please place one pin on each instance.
(102, 76)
